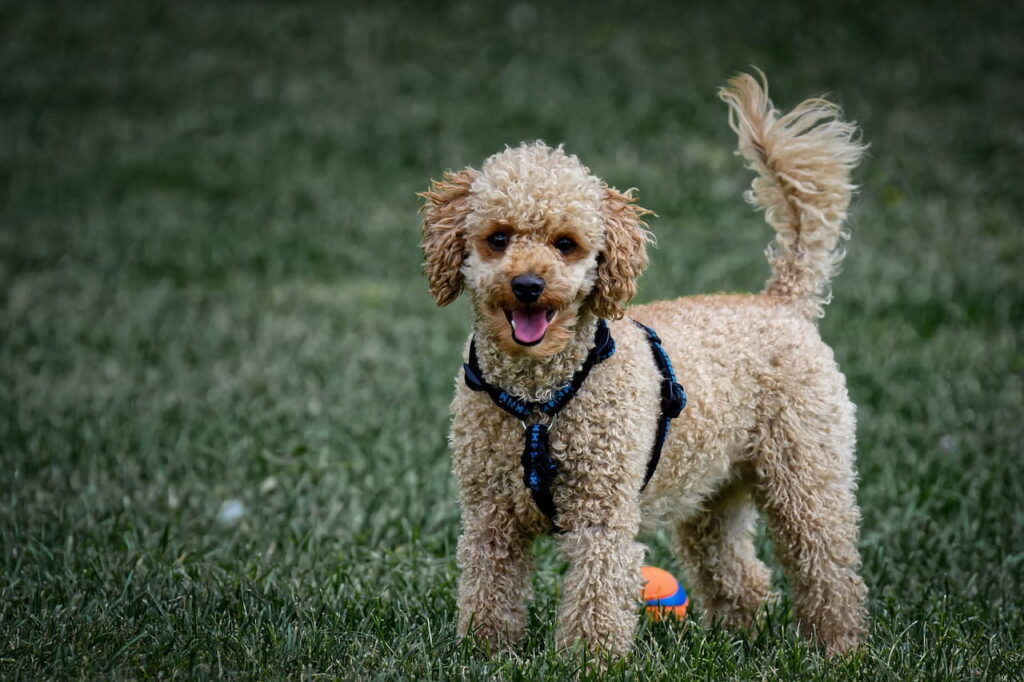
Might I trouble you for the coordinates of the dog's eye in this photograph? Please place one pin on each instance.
(565, 245)
(498, 241)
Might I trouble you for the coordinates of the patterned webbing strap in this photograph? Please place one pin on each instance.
(673, 399)
(604, 348)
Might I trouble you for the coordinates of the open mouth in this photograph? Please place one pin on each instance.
(529, 324)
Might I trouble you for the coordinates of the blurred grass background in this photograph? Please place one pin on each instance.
(224, 387)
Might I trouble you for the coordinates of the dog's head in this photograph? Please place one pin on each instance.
(536, 240)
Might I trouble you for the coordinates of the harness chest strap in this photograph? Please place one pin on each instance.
(539, 469)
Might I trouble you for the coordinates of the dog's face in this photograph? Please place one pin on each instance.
(535, 239)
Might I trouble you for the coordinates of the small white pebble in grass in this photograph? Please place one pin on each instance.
(949, 442)
(231, 511)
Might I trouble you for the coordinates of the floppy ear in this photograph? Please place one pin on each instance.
(624, 255)
(444, 243)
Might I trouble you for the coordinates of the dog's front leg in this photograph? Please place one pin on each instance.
(495, 557)
(602, 588)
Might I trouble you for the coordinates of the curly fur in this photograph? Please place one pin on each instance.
(769, 426)
(803, 160)
(624, 255)
(444, 242)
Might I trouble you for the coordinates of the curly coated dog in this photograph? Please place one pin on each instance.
(549, 256)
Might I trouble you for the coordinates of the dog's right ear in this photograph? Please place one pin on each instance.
(444, 238)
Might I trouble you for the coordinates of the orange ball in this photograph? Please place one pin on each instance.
(663, 596)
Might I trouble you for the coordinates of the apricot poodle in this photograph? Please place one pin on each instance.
(558, 414)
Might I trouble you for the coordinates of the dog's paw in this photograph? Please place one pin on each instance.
(491, 635)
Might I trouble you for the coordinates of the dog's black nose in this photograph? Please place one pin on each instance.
(527, 288)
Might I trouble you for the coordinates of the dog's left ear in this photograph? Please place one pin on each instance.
(444, 242)
(624, 255)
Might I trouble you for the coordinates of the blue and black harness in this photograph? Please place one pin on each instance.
(539, 469)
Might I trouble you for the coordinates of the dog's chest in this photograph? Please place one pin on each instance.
(600, 443)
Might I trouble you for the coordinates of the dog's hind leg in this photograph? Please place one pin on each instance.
(806, 490)
(717, 546)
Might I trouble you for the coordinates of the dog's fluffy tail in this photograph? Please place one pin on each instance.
(803, 160)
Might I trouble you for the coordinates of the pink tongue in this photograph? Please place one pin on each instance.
(530, 325)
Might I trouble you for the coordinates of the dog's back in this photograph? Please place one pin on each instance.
(742, 358)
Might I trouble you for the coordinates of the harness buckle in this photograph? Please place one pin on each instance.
(673, 398)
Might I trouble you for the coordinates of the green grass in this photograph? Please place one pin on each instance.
(211, 292)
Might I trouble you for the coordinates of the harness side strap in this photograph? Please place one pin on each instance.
(673, 399)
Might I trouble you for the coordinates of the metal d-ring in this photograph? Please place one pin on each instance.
(551, 423)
